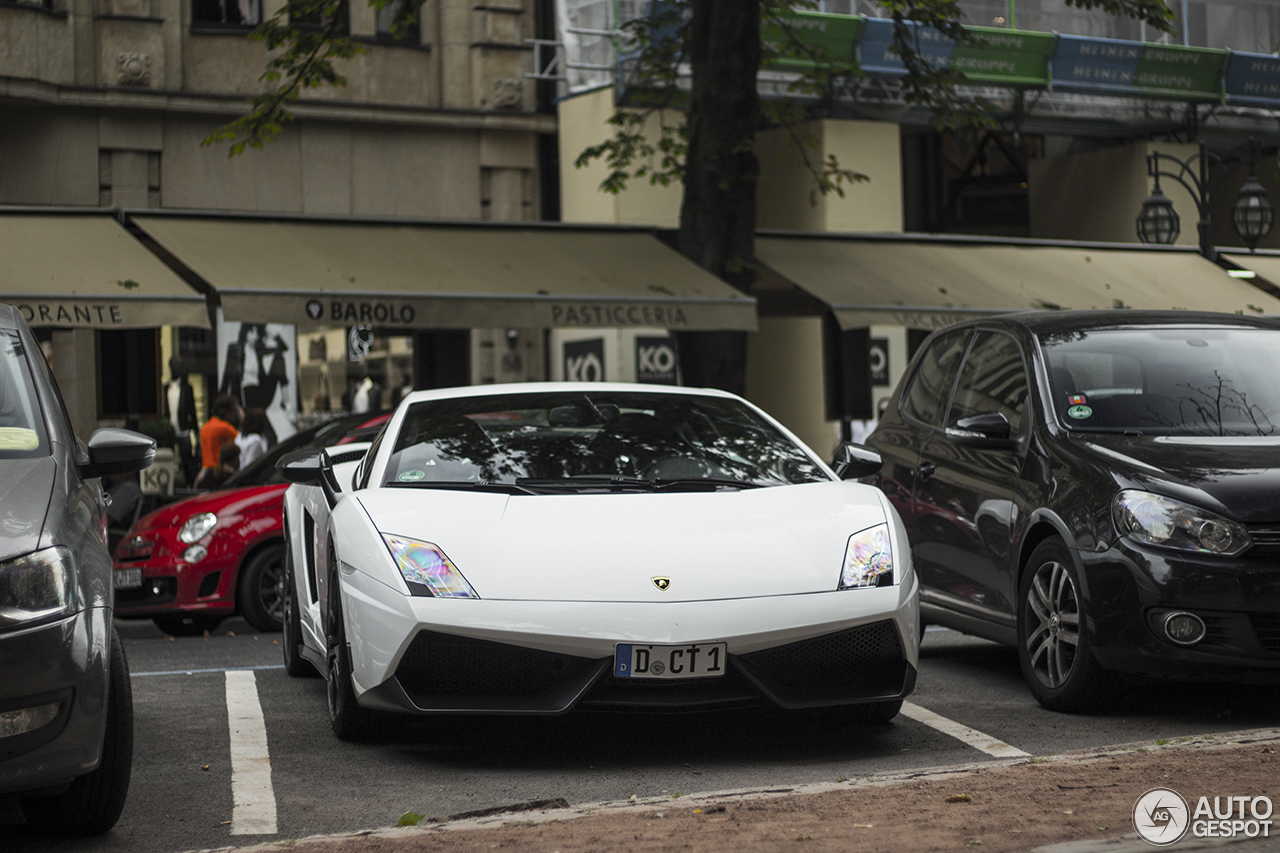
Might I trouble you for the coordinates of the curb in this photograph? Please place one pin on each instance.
(536, 813)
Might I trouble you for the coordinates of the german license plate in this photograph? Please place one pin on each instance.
(697, 660)
(128, 578)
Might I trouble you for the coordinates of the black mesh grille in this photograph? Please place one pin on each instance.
(208, 584)
(445, 665)
(1265, 536)
(859, 663)
(1267, 627)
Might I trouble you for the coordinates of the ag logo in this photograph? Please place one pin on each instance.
(1161, 816)
(662, 583)
(314, 309)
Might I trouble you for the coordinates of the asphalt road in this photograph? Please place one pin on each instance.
(181, 795)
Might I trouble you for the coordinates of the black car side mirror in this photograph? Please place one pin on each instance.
(310, 468)
(117, 451)
(989, 430)
(853, 461)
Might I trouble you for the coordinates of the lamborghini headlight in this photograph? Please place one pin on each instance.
(36, 587)
(1157, 520)
(426, 569)
(196, 527)
(868, 559)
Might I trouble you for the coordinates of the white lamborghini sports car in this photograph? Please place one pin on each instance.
(537, 548)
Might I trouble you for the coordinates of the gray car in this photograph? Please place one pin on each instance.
(66, 712)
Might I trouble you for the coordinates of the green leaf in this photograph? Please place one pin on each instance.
(410, 819)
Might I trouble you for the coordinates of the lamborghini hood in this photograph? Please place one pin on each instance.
(628, 547)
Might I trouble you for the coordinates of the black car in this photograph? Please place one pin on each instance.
(66, 715)
(1099, 489)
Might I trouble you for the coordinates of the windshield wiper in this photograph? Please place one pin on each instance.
(710, 484)
(656, 484)
(466, 485)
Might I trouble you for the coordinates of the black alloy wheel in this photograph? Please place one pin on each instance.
(294, 663)
(1053, 640)
(350, 720)
(261, 593)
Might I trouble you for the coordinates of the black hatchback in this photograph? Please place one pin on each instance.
(1099, 489)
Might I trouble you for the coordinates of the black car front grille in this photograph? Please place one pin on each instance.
(1265, 536)
(1267, 628)
(858, 663)
(437, 665)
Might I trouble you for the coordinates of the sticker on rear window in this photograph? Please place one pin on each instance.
(1080, 412)
(17, 438)
(412, 476)
(1078, 400)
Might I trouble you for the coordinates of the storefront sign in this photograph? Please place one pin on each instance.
(657, 361)
(570, 314)
(352, 311)
(584, 360)
(97, 315)
(1253, 78)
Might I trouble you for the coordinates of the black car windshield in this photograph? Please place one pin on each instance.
(595, 439)
(1166, 380)
(21, 423)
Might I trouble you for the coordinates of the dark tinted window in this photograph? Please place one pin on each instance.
(557, 436)
(262, 472)
(1167, 381)
(993, 379)
(933, 378)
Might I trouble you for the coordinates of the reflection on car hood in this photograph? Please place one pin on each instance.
(25, 486)
(610, 547)
(1236, 475)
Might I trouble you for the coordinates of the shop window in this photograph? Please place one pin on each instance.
(128, 373)
(400, 21)
(232, 13)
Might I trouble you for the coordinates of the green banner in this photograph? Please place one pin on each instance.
(1175, 71)
(809, 39)
(1005, 57)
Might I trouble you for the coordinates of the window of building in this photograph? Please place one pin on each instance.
(233, 13)
(400, 20)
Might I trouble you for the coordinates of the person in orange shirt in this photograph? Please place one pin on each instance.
(224, 418)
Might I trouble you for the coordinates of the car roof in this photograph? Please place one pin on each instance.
(1051, 322)
(562, 387)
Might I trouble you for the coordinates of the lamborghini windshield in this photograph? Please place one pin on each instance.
(1167, 380)
(539, 440)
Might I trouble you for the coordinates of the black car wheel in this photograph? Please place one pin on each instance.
(294, 663)
(1053, 643)
(93, 802)
(350, 721)
(186, 625)
(261, 596)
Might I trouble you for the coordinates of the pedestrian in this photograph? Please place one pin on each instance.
(221, 428)
(228, 464)
(252, 439)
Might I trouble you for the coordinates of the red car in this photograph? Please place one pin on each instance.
(189, 565)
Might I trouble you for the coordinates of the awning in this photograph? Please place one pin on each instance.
(1264, 263)
(447, 276)
(87, 271)
(929, 284)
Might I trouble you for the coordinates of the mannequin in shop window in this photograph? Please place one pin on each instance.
(180, 408)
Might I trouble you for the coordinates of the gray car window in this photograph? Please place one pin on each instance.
(933, 378)
(993, 379)
(21, 424)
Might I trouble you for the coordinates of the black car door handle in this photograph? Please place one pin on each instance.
(926, 470)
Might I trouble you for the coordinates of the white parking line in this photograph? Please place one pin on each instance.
(254, 811)
(973, 737)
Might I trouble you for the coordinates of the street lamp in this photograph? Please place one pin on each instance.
(1252, 216)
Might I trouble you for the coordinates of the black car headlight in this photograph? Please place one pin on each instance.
(1156, 520)
(36, 587)
(868, 559)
